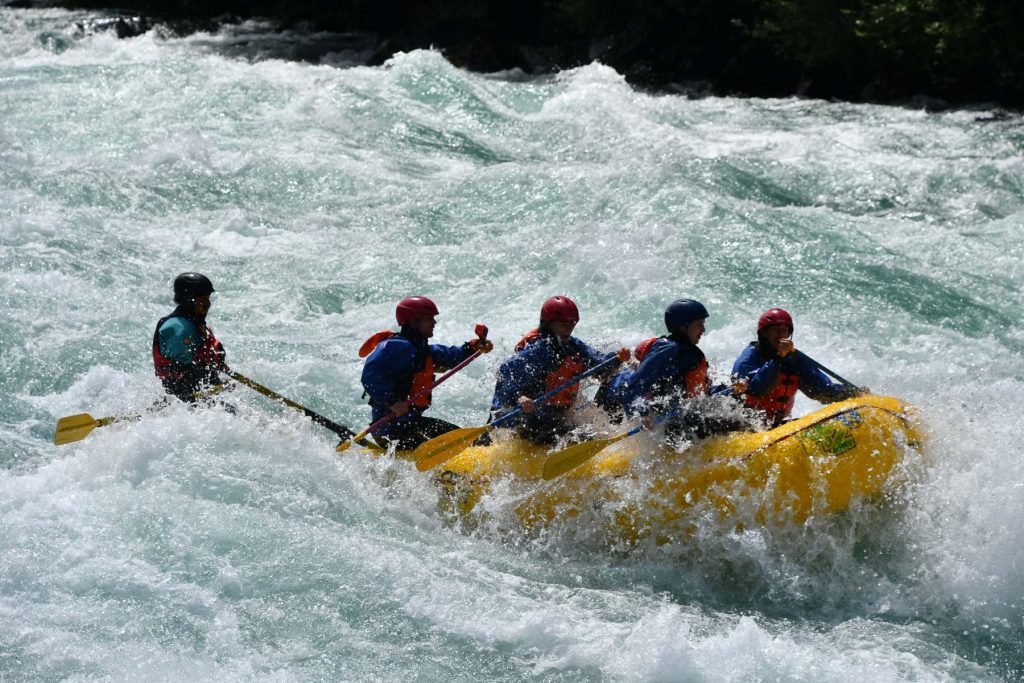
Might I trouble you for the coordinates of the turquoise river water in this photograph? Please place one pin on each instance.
(208, 545)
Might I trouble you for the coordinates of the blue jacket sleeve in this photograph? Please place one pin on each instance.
(656, 365)
(518, 376)
(760, 373)
(391, 359)
(447, 357)
(592, 356)
(615, 387)
(504, 387)
(524, 373)
(815, 384)
(178, 339)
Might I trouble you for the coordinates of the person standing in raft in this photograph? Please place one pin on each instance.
(186, 355)
(673, 372)
(545, 358)
(769, 372)
(401, 364)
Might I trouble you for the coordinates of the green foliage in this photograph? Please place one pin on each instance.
(947, 48)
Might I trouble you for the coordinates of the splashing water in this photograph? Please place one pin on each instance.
(210, 544)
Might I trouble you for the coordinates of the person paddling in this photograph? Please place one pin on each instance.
(402, 363)
(545, 358)
(769, 372)
(673, 372)
(187, 356)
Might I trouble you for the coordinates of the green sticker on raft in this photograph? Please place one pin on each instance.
(832, 437)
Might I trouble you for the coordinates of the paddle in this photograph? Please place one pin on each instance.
(443, 448)
(825, 370)
(77, 427)
(572, 457)
(481, 333)
(340, 430)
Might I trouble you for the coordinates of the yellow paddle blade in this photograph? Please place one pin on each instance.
(443, 448)
(358, 440)
(75, 428)
(347, 443)
(572, 457)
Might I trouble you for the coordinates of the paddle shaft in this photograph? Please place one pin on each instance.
(443, 448)
(418, 395)
(572, 457)
(481, 333)
(557, 390)
(340, 430)
(824, 369)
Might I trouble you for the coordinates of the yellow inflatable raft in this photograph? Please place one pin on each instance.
(817, 464)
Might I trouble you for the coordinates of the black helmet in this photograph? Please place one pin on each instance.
(188, 286)
(683, 312)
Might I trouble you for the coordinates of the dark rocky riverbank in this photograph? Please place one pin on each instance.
(932, 53)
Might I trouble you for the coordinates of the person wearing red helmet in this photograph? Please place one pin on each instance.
(545, 358)
(186, 355)
(768, 373)
(400, 364)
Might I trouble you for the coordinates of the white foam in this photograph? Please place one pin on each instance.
(201, 544)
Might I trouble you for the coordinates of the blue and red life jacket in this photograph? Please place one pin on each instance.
(572, 364)
(695, 380)
(422, 375)
(185, 379)
(777, 403)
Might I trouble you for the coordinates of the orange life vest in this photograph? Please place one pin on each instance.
(643, 347)
(571, 365)
(695, 382)
(530, 337)
(777, 404)
(421, 379)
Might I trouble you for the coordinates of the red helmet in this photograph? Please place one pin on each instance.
(412, 307)
(559, 309)
(774, 316)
